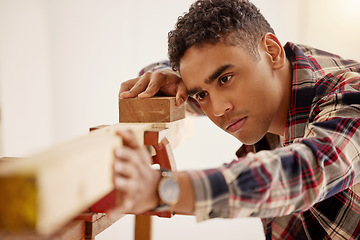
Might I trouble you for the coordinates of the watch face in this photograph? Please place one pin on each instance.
(169, 190)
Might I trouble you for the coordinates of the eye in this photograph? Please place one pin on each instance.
(224, 80)
(200, 96)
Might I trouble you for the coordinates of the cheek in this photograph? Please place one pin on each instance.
(260, 89)
(207, 109)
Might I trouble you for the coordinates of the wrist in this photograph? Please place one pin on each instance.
(168, 191)
(154, 197)
(186, 201)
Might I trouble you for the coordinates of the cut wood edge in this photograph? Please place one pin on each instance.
(60, 182)
(55, 185)
(154, 109)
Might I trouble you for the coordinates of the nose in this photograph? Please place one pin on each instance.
(220, 105)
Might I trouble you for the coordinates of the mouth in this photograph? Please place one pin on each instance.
(235, 125)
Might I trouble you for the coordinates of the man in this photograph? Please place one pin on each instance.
(299, 104)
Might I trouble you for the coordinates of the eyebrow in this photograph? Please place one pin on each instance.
(211, 79)
(217, 73)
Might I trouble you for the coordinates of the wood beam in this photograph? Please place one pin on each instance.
(73, 230)
(95, 223)
(143, 227)
(48, 189)
(156, 109)
(45, 191)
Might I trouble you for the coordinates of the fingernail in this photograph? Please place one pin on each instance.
(118, 167)
(119, 182)
(118, 152)
(123, 94)
(143, 94)
(181, 101)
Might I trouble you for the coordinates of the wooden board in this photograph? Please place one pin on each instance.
(74, 230)
(95, 223)
(45, 191)
(156, 109)
(143, 227)
(48, 189)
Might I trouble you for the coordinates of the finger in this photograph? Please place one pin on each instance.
(157, 81)
(129, 138)
(125, 198)
(127, 206)
(120, 183)
(127, 186)
(125, 88)
(127, 155)
(140, 159)
(125, 169)
(181, 95)
(141, 84)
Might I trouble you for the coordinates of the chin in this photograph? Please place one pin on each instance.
(248, 140)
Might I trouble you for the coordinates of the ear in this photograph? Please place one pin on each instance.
(274, 50)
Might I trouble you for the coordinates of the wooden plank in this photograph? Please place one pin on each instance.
(93, 228)
(48, 189)
(43, 192)
(74, 230)
(143, 227)
(163, 156)
(156, 109)
(7, 159)
(90, 216)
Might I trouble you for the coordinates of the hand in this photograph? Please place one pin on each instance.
(134, 179)
(166, 81)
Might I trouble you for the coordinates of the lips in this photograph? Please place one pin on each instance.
(235, 125)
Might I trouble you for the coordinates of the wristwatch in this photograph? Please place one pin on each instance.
(168, 190)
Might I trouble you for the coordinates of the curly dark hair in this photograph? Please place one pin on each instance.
(234, 22)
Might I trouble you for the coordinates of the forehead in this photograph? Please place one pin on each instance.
(199, 63)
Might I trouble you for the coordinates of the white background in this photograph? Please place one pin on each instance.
(62, 62)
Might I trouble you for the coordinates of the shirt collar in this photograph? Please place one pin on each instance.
(302, 93)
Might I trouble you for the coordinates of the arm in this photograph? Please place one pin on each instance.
(186, 200)
(159, 78)
(289, 179)
(293, 178)
(155, 78)
(137, 182)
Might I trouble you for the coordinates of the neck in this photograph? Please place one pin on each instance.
(279, 123)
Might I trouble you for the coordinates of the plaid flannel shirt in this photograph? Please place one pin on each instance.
(306, 188)
(303, 186)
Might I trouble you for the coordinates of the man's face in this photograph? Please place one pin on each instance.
(239, 94)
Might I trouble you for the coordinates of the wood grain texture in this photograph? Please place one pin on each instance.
(95, 223)
(49, 188)
(46, 190)
(156, 109)
(143, 227)
(74, 230)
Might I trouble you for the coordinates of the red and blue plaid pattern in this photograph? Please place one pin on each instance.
(305, 185)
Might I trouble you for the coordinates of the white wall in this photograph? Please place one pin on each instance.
(332, 25)
(61, 64)
(25, 76)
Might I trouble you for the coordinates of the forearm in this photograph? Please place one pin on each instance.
(186, 199)
(279, 182)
